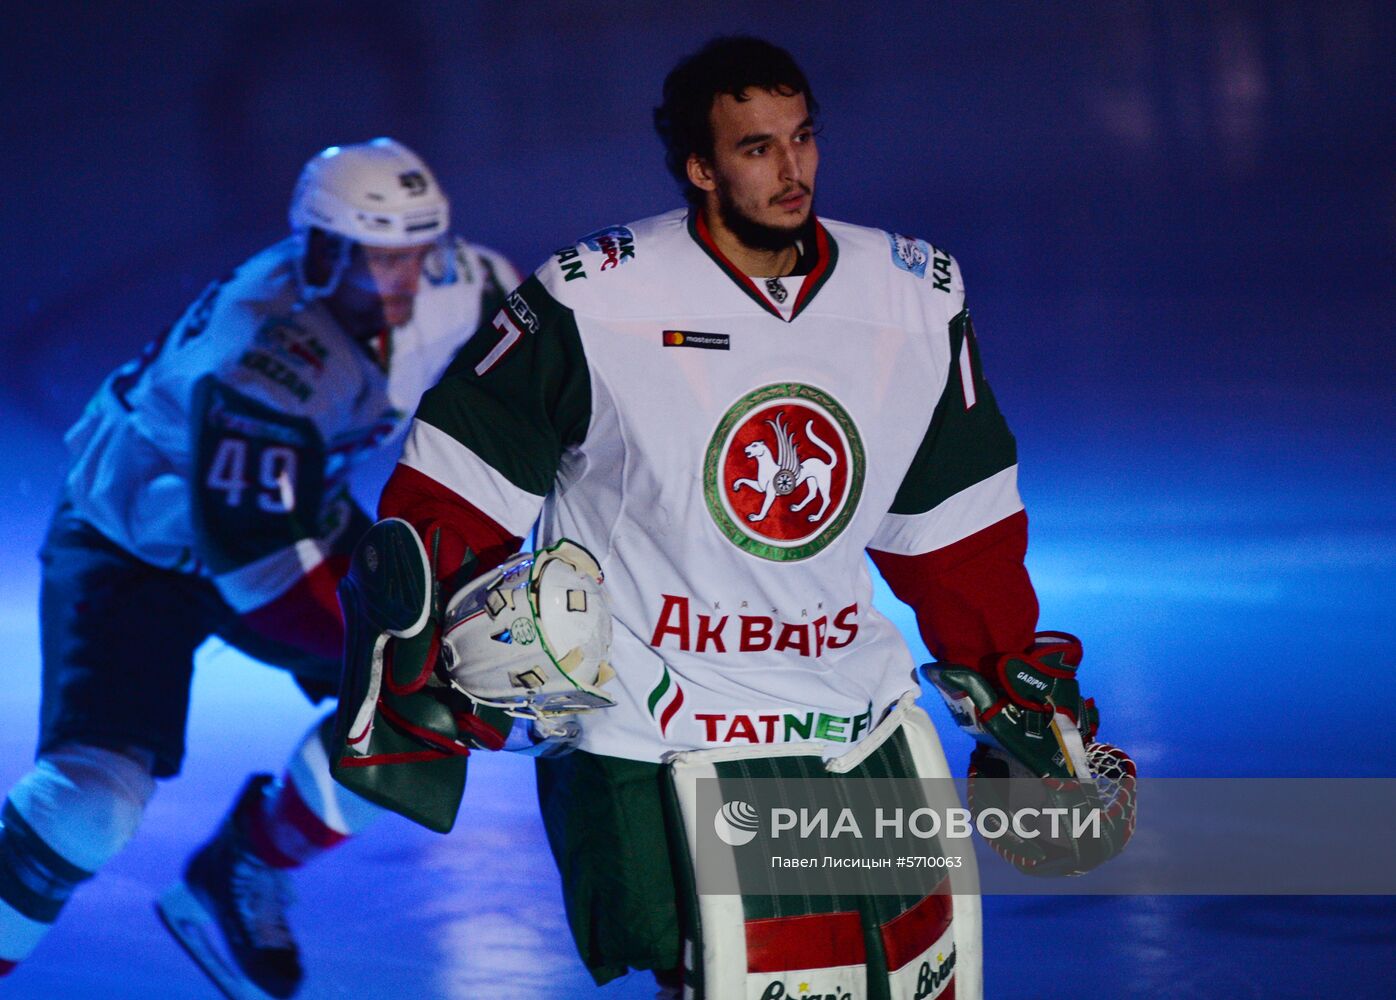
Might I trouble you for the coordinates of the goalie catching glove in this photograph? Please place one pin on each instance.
(1038, 750)
(422, 686)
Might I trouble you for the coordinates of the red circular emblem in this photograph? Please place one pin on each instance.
(785, 468)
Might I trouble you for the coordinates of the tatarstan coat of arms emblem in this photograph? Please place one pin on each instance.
(784, 471)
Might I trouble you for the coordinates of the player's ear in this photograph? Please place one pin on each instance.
(700, 173)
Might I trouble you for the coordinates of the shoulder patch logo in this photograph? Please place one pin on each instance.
(784, 472)
(616, 243)
(910, 254)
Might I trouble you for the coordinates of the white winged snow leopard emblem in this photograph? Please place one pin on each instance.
(780, 475)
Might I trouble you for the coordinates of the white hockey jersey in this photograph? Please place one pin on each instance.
(219, 449)
(729, 448)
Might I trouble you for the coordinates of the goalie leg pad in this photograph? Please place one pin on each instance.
(920, 973)
(862, 946)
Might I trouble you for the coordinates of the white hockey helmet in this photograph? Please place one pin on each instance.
(532, 636)
(377, 192)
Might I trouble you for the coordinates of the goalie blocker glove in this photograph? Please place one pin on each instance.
(422, 686)
(402, 733)
(1038, 751)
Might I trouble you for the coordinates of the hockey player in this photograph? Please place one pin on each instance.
(208, 495)
(731, 405)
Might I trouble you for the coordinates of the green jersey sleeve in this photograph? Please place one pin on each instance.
(518, 395)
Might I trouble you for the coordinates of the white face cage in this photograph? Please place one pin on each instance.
(532, 636)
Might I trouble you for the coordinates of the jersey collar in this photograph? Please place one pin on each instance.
(818, 259)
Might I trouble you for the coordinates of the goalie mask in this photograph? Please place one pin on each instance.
(532, 636)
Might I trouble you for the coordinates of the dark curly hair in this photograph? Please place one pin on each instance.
(731, 64)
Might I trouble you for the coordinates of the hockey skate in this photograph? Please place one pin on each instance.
(229, 911)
